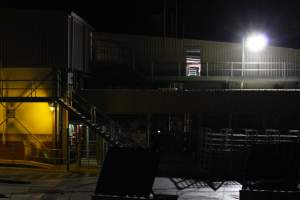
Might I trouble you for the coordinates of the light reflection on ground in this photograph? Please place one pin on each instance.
(76, 186)
(188, 189)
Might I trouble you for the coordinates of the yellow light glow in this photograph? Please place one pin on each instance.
(30, 130)
(51, 107)
(36, 117)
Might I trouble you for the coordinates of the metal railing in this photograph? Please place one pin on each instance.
(27, 88)
(26, 148)
(235, 140)
(49, 85)
(225, 151)
(98, 118)
(230, 69)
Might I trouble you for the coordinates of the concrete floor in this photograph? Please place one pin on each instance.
(191, 189)
(59, 185)
(46, 184)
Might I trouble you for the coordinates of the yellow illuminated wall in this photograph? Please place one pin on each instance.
(26, 82)
(37, 117)
(27, 131)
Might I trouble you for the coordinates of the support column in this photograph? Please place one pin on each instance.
(79, 133)
(55, 137)
(87, 140)
(65, 137)
(148, 131)
(99, 149)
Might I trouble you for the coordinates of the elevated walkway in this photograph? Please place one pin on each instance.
(128, 101)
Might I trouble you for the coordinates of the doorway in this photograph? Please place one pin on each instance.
(193, 62)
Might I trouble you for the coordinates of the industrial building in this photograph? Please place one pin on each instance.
(68, 92)
(202, 102)
(42, 53)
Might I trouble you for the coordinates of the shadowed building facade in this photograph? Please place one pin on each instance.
(41, 54)
(68, 91)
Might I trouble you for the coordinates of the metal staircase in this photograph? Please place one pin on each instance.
(97, 121)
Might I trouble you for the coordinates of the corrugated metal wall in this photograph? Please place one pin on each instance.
(166, 56)
(33, 38)
(79, 41)
(27, 82)
(109, 52)
(209, 101)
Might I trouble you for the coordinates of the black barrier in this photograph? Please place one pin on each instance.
(273, 167)
(128, 172)
(269, 195)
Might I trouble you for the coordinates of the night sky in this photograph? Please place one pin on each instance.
(218, 20)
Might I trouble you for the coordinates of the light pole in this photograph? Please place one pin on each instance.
(255, 42)
(243, 55)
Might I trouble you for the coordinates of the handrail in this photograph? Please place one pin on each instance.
(232, 68)
(82, 101)
(110, 122)
(216, 140)
(83, 107)
(29, 86)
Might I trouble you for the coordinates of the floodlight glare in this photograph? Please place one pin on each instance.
(256, 42)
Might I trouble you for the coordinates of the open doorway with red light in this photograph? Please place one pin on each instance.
(193, 62)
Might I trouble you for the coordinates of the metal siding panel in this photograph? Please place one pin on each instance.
(297, 61)
(33, 38)
(86, 58)
(2, 52)
(80, 44)
(215, 53)
(77, 50)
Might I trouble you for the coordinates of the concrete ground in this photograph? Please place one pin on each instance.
(24, 183)
(188, 189)
(41, 184)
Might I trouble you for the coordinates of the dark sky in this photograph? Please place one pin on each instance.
(219, 20)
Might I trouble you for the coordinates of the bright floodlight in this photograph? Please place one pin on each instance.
(256, 42)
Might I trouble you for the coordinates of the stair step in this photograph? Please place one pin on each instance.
(106, 135)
